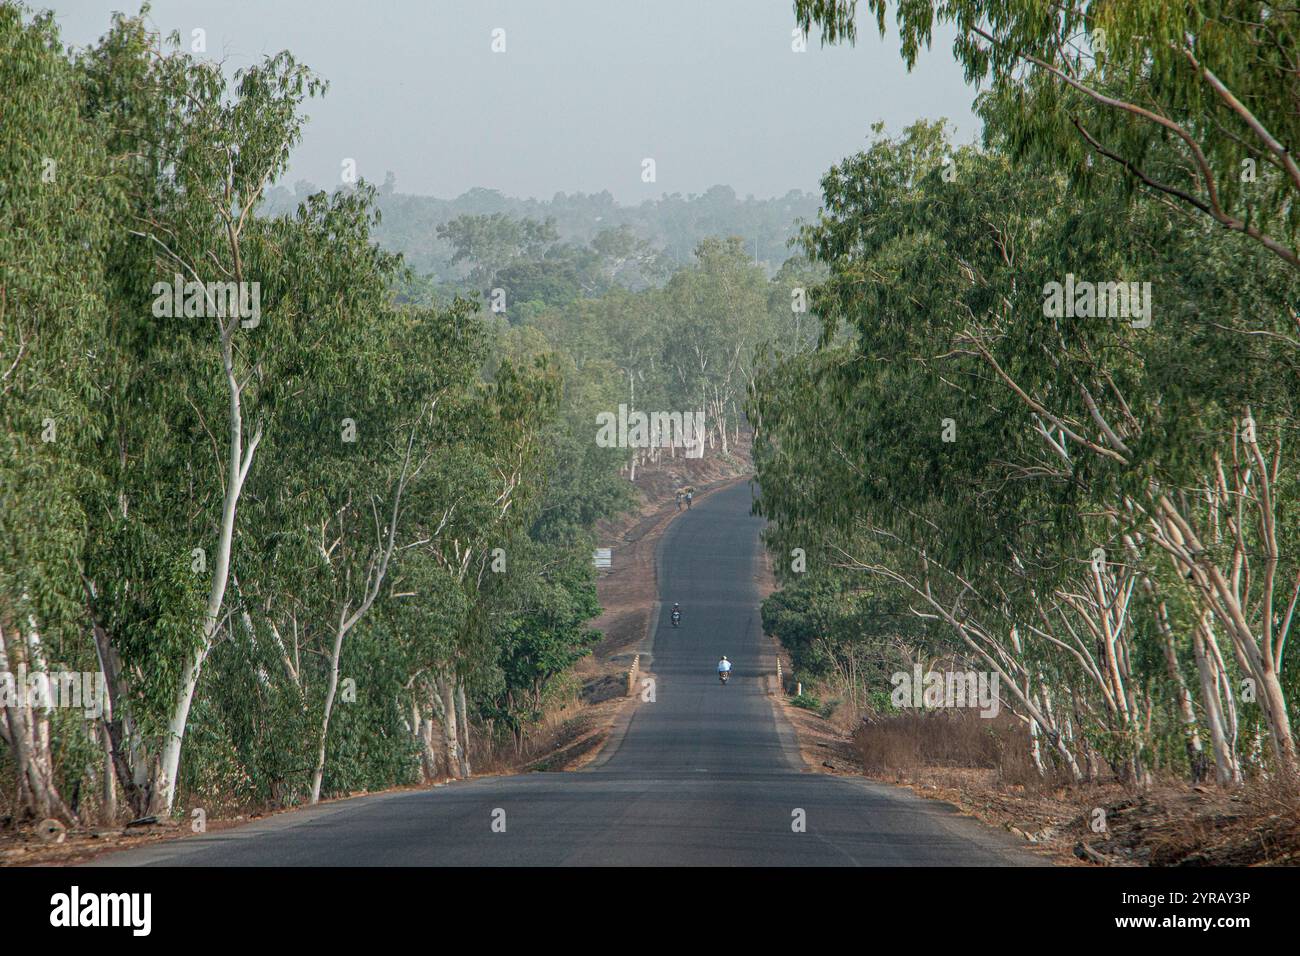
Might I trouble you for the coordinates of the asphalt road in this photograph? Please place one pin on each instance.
(703, 775)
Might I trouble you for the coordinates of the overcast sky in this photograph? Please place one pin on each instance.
(585, 90)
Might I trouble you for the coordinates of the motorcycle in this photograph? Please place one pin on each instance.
(677, 618)
(722, 676)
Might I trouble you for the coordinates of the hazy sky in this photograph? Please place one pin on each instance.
(585, 90)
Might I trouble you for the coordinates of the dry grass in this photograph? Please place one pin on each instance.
(952, 738)
(984, 768)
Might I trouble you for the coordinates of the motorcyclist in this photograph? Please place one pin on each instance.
(724, 666)
(677, 613)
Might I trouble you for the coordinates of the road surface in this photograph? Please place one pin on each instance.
(704, 775)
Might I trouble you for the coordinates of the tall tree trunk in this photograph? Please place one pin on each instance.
(1226, 767)
(108, 798)
(446, 691)
(239, 460)
(26, 730)
(463, 721)
(133, 764)
(1186, 711)
(423, 727)
(318, 774)
(1221, 593)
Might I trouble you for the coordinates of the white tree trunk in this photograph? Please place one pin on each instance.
(318, 774)
(24, 726)
(1226, 767)
(239, 461)
(463, 721)
(447, 711)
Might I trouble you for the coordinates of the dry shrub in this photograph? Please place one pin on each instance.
(952, 738)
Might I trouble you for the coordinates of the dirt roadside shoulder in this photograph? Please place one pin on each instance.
(1102, 824)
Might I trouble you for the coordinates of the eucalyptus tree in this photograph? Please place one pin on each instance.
(365, 549)
(1194, 101)
(540, 608)
(199, 156)
(581, 484)
(57, 209)
(716, 311)
(791, 325)
(487, 244)
(466, 507)
(988, 448)
(627, 259)
(615, 345)
(329, 510)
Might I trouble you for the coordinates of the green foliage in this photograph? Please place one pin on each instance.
(950, 438)
(1192, 102)
(57, 205)
(391, 440)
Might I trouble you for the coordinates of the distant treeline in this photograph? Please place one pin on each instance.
(674, 224)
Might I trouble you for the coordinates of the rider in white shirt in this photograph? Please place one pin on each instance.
(724, 665)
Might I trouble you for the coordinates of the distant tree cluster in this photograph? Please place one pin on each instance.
(671, 227)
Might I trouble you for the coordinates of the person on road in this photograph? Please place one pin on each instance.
(679, 499)
(690, 495)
